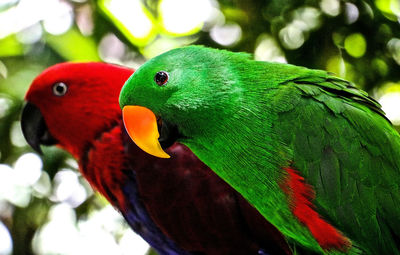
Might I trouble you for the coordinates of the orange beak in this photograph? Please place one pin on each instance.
(141, 125)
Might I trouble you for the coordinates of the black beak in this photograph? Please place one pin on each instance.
(34, 128)
(169, 133)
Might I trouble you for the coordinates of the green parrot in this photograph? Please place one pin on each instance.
(312, 153)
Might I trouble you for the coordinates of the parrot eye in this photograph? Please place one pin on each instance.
(161, 78)
(59, 89)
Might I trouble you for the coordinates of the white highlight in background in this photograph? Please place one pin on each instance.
(56, 14)
(68, 189)
(59, 235)
(227, 34)
(130, 241)
(268, 50)
(6, 241)
(60, 19)
(391, 106)
(183, 16)
(28, 169)
(131, 14)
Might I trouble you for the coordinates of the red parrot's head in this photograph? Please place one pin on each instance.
(69, 104)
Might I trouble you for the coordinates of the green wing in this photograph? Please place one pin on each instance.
(348, 151)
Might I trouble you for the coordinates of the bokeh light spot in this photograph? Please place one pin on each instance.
(68, 188)
(389, 8)
(380, 66)
(60, 20)
(6, 241)
(184, 16)
(351, 13)
(294, 34)
(394, 48)
(131, 15)
(3, 70)
(111, 49)
(130, 241)
(390, 105)
(6, 3)
(15, 183)
(227, 34)
(6, 175)
(307, 18)
(291, 37)
(97, 240)
(28, 169)
(355, 45)
(31, 34)
(17, 138)
(336, 65)
(5, 105)
(330, 7)
(84, 20)
(42, 188)
(267, 49)
(79, 1)
(49, 240)
(103, 225)
(165, 43)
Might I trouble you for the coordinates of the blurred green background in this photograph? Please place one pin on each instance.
(45, 205)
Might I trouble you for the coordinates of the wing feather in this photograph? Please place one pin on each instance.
(348, 151)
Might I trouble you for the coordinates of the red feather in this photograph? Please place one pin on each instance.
(301, 196)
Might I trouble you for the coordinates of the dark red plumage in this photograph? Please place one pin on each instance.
(197, 209)
(178, 205)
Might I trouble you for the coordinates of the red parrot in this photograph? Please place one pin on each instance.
(178, 205)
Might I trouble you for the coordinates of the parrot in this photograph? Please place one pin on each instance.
(178, 206)
(315, 155)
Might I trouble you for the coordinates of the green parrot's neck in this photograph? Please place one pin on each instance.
(237, 100)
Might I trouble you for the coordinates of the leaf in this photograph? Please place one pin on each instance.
(9, 46)
(73, 46)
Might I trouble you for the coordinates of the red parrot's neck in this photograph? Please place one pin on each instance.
(103, 162)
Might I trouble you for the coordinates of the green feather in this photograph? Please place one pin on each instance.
(248, 120)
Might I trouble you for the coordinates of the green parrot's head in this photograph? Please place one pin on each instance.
(178, 94)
